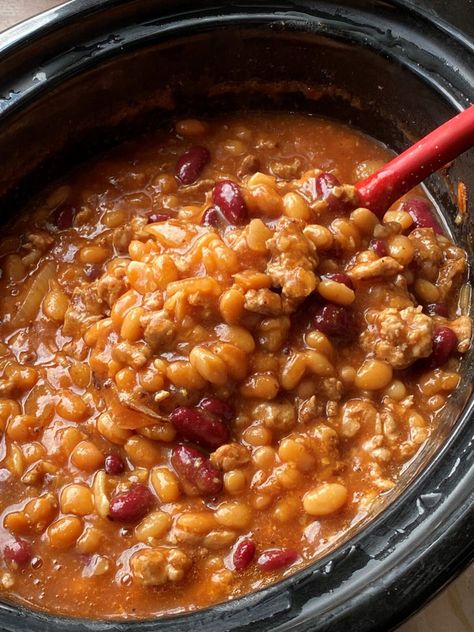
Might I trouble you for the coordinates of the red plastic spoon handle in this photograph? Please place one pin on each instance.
(397, 177)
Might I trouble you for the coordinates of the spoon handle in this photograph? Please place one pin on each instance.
(397, 177)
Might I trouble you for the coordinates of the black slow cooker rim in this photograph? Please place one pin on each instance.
(446, 536)
(43, 25)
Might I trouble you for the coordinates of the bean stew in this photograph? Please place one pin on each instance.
(213, 363)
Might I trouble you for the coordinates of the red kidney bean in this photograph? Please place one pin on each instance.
(379, 247)
(422, 215)
(272, 559)
(211, 217)
(444, 344)
(325, 182)
(334, 320)
(196, 468)
(229, 198)
(243, 555)
(191, 163)
(132, 505)
(339, 277)
(437, 309)
(63, 217)
(198, 427)
(114, 464)
(157, 217)
(18, 551)
(93, 271)
(217, 407)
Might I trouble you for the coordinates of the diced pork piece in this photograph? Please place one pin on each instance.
(310, 409)
(438, 260)
(230, 456)
(462, 327)
(324, 442)
(329, 388)
(287, 170)
(159, 329)
(134, 355)
(398, 337)
(293, 259)
(367, 265)
(426, 246)
(263, 301)
(110, 287)
(85, 308)
(155, 567)
(357, 414)
(41, 240)
(277, 415)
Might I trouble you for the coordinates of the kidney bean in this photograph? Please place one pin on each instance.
(63, 217)
(18, 551)
(325, 182)
(334, 320)
(157, 217)
(437, 309)
(422, 215)
(379, 247)
(132, 505)
(339, 277)
(217, 407)
(114, 464)
(191, 163)
(273, 559)
(211, 217)
(444, 343)
(243, 555)
(198, 427)
(93, 271)
(196, 468)
(228, 197)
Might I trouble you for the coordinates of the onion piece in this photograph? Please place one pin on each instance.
(139, 403)
(128, 411)
(38, 289)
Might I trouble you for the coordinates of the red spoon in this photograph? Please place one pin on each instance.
(397, 177)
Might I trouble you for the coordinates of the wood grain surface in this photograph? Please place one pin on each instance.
(13, 11)
(453, 609)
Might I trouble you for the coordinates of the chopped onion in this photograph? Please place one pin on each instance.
(29, 309)
(129, 410)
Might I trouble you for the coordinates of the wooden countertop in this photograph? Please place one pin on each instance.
(13, 11)
(453, 610)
